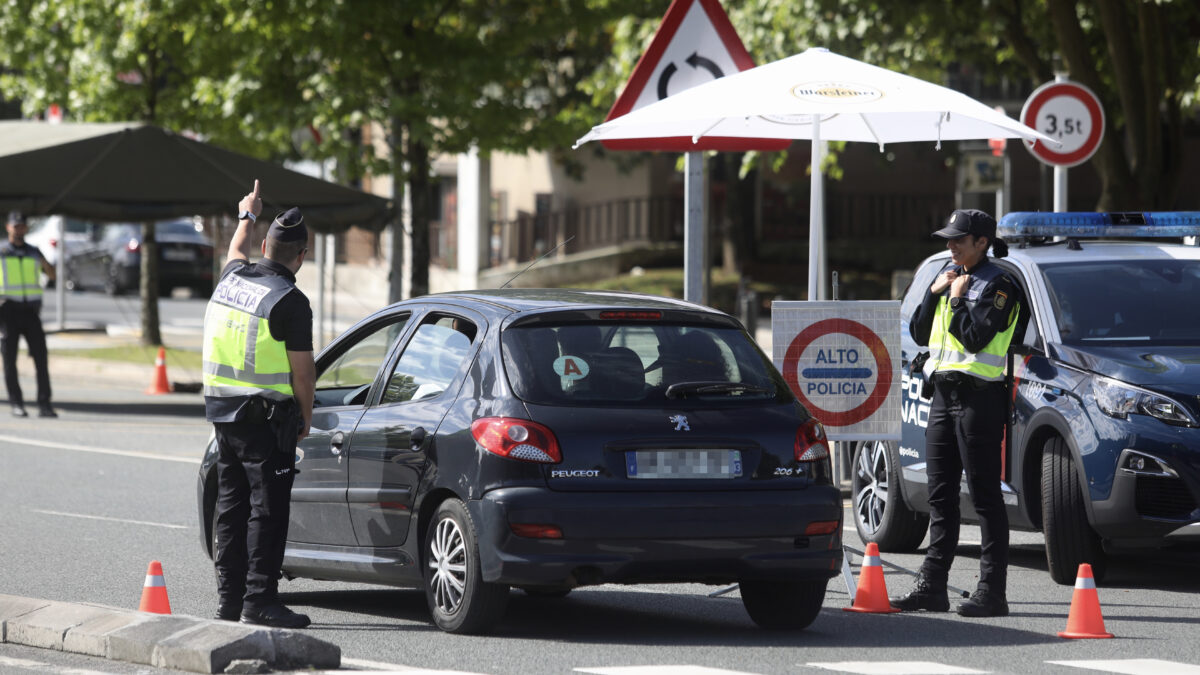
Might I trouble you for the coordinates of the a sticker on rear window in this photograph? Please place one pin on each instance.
(571, 367)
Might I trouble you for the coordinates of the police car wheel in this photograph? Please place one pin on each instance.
(790, 605)
(458, 598)
(880, 513)
(1070, 540)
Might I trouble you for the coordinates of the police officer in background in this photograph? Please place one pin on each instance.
(20, 314)
(258, 393)
(967, 319)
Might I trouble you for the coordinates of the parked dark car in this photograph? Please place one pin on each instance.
(548, 439)
(113, 263)
(1102, 452)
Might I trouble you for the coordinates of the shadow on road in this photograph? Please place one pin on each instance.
(191, 406)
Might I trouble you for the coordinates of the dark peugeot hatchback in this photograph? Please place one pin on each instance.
(548, 439)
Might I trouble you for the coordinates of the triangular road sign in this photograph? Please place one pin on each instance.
(696, 43)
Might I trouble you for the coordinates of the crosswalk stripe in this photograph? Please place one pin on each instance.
(895, 668)
(660, 670)
(1134, 666)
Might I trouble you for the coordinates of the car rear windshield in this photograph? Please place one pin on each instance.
(1142, 301)
(627, 363)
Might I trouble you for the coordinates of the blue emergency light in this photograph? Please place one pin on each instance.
(1094, 225)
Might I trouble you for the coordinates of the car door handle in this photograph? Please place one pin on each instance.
(416, 438)
(335, 442)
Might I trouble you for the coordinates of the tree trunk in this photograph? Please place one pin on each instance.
(396, 277)
(420, 196)
(148, 288)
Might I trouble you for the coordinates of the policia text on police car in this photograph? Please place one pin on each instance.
(258, 393)
(967, 319)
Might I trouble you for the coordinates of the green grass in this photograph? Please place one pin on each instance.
(669, 282)
(136, 353)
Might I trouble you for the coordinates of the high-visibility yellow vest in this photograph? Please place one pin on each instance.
(240, 357)
(19, 276)
(947, 354)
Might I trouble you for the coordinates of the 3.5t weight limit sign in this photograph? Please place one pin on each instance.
(1069, 112)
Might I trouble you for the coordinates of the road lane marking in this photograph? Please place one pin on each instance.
(111, 520)
(8, 661)
(20, 440)
(379, 667)
(894, 668)
(660, 670)
(1134, 666)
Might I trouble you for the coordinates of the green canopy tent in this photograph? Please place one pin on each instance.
(135, 172)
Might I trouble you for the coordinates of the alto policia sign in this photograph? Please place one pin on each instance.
(841, 359)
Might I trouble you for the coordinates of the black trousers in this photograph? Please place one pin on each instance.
(965, 432)
(16, 320)
(256, 466)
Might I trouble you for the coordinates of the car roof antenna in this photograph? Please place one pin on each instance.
(535, 260)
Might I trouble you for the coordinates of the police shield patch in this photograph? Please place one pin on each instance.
(1001, 300)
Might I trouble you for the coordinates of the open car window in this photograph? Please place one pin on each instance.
(348, 378)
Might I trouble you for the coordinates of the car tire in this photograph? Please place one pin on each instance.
(782, 605)
(880, 512)
(1070, 540)
(458, 597)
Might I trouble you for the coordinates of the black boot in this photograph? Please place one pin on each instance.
(984, 603)
(929, 595)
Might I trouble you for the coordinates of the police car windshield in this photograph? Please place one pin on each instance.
(1137, 301)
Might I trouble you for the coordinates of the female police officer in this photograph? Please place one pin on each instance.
(967, 319)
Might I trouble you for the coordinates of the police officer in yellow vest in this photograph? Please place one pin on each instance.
(20, 313)
(967, 319)
(258, 393)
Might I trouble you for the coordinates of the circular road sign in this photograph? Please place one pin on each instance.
(1069, 112)
(831, 379)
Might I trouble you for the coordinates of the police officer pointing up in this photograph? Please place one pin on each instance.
(967, 319)
(258, 393)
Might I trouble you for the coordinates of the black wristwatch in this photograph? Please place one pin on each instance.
(247, 215)
(956, 302)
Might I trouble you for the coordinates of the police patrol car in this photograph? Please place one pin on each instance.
(1102, 450)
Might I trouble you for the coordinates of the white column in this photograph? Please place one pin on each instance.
(474, 197)
(816, 215)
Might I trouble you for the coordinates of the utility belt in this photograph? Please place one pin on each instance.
(954, 380)
(259, 410)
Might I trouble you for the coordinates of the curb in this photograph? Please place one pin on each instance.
(159, 640)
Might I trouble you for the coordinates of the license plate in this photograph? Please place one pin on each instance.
(661, 464)
(179, 254)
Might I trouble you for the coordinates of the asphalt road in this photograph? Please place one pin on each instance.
(91, 498)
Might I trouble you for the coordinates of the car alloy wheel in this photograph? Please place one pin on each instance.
(448, 561)
(458, 597)
(880, 512)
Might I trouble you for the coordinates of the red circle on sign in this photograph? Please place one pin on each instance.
(1043, 95)
(882, 363)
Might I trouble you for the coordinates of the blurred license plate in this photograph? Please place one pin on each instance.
(179, 254)
(683, 464)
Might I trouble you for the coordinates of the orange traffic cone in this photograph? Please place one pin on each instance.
(871, 596)
(160, 384)
(1085, 620)
(154, 592)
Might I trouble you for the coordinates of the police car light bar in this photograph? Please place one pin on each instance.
(1092, 225)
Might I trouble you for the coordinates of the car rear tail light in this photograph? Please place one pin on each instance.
(630, 315)
(517, 439)
(53, 243)
(811, 444)
(132, 245)
(822, 527)
(536, 530)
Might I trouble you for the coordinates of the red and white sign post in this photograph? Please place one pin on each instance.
(1071, 113)
(695, 44)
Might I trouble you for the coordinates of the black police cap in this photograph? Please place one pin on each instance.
(16, 218)
(288, 226)
(968, 221)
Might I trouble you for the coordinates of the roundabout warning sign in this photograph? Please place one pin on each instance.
(841, 360)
